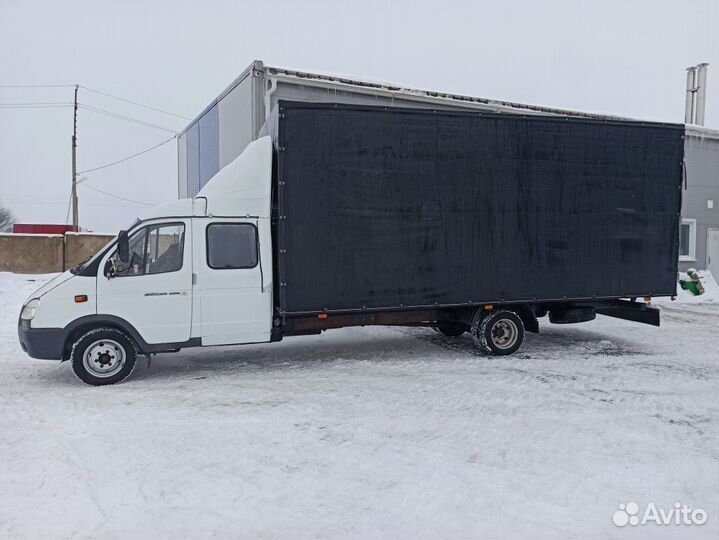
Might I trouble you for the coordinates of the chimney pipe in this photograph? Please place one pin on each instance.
(701, 93)
(689, 106)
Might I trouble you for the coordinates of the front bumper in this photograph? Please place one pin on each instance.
(42, 343)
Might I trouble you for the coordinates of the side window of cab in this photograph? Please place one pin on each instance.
(231, 246)
(154, 249)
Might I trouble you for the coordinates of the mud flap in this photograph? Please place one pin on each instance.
(631, 311)
(528, 319)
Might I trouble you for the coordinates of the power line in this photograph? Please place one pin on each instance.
(123, 117)
(116, 196)
(134, 103)
(128, 157)
(60, 104)
(34, 201)
(47, 203)
(37, 85)
(99, 92)
(36, 105)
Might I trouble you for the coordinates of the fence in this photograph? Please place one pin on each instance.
(47, 253)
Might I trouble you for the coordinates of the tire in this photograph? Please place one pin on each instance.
(451, 329)
(498, 332)
(103, 356)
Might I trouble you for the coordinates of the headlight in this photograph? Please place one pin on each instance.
(29, 309)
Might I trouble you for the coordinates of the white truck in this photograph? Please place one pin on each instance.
(345, 215)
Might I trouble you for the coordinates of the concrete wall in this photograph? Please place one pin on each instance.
(31, 253)
(44, 254)
(80, 246)
(701, 155)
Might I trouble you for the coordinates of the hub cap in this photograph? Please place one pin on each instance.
(104, 358)
(504, 334)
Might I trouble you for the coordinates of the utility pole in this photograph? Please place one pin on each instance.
(75, 217)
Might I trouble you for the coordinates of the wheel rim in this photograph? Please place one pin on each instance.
(104, 358)
(504, 334)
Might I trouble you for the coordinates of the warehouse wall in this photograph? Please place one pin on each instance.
(235, 129)
(701, 155)
(233, 120)
(219, 134)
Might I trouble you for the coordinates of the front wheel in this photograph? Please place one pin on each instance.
(103, 356)
(498, 332)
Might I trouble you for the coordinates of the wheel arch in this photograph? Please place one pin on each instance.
(528, 318)
(523, 311)
(89, 322)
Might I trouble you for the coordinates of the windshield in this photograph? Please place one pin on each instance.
(77, 269)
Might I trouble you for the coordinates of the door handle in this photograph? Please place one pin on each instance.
(194, 278)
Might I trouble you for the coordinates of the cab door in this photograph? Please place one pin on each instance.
(153, 291)
(235, 307)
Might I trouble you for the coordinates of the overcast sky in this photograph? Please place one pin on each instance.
(620, 57)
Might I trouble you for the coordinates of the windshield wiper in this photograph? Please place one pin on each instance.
(77, 269)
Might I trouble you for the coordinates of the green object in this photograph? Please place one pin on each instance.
(691, 286)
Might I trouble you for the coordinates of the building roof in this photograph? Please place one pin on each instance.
(357, 84)
(352, 83)
(702, 132)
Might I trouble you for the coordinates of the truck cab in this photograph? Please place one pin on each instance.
(192, 272)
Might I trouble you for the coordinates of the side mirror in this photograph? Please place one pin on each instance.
(123, 247)
(109, 270)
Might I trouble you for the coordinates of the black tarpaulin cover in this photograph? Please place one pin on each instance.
(392, 207)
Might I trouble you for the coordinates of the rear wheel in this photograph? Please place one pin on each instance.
(103, 356)
(498, 332)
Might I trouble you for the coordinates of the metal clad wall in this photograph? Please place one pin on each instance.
(702, 162)
(218, 136)
(229, 125)
(193, 160)
(209, 146)
(182, 166)
(235, 117)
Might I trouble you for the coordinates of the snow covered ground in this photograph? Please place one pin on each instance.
(368, 433)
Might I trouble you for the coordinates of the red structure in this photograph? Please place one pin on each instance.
(41, 228)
